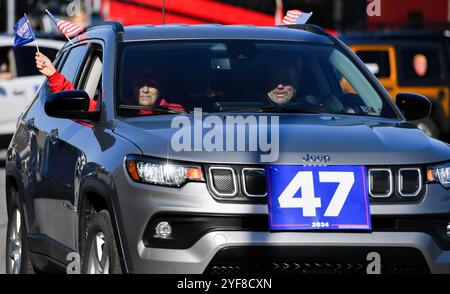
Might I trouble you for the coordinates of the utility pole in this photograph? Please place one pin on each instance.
(163, 11)
(338, 13)
(11, 15)
(448, 14)
(88, 10)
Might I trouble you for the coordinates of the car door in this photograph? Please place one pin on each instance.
(31, 144)
(66, 157)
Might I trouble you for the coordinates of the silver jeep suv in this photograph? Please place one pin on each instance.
(224, 149)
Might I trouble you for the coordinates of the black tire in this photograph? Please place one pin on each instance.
(24, 265)
(428, 126)
(100, 225)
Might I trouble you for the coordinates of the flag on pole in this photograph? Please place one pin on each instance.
(296, 17)
(23, 32)
(278, 12)
(69, 29)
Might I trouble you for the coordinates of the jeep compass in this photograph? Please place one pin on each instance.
(267, 150)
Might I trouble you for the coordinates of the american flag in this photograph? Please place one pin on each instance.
(296, 17)
(68, 28)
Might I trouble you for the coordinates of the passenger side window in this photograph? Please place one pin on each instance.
(73, 63)
(91, 80)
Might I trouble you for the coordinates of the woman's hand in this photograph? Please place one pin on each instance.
(44, 64)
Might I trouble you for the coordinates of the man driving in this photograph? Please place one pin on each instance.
(285, 90)
(283, 86)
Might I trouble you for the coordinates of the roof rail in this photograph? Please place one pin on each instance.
(116, 26)
(307, 27)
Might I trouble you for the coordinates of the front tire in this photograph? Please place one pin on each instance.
(17, 255)
(100, 255)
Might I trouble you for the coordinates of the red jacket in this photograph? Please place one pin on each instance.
(58, 82)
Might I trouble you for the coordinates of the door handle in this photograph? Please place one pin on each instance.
(18, 92)
(54, 135)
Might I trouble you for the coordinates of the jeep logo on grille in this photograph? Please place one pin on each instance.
(316, 158)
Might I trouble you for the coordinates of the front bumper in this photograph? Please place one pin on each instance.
(196, 259)
(137, 204)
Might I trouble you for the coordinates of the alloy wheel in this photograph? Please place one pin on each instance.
(15, 243)
(98, 262)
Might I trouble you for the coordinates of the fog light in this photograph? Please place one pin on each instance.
(163, 230)
(448, 230)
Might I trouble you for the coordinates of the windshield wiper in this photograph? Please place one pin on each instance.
(160, 109)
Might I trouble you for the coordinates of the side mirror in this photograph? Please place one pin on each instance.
(413, 106)
(70, 105)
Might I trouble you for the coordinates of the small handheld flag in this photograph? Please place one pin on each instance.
(296, 17)
(68, 28)
(23, 33)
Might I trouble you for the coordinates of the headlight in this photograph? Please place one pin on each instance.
(439, 174)
(160, 172)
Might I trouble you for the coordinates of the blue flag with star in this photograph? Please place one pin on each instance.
(24, 32)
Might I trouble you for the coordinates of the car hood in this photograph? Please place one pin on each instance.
(345, 140)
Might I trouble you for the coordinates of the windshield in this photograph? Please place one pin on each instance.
(243, 75)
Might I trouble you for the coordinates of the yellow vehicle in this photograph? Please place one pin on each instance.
(410, 61)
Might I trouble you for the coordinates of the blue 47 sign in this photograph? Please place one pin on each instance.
(318, 198)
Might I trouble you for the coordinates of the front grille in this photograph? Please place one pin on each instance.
(315, 260)
(243, 183)
(409, 182)
(380, 182)
(223, 181)
(395, 184)
(254, 182)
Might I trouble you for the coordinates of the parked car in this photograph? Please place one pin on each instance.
(351, 179)
(410, 61)
(19, 78)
